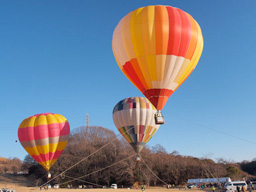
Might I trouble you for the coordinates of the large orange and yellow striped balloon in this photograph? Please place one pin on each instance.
(157, 48)
(44, 136)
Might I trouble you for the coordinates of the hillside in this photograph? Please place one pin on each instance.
(15, 181)
(12, 165)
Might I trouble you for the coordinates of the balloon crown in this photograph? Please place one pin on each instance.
(36, 115)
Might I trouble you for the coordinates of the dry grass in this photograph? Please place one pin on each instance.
(20, 183)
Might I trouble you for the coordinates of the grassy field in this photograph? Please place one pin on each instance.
(22, 184)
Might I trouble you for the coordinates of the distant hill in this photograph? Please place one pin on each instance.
(2, 159)
(10, 165)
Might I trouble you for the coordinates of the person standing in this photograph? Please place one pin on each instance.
(213, 188)
(143, 188)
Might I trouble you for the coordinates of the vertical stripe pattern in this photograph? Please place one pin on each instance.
(134, 119)
(44, 136)
(157, 48)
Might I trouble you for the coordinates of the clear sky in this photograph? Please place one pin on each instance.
(56, 56)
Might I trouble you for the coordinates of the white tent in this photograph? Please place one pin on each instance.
(210, 180)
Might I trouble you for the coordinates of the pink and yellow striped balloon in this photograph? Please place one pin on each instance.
(157, 48)
(44, 136)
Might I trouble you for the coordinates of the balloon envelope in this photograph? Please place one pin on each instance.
(44, 137)
(157, 48)
(134, 119)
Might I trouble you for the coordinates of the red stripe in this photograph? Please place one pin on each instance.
(158, 97)
(185, 34)
(158, 92)
(129, 70)
(43, 131)
(174, 31)
(46, 157)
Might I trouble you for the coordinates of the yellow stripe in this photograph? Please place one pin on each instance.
(151, 135)
(28, 122)
(147, 129)
(136, 32)
(148, 30)
(42, 120)
(138, 47)
(49, 148)
(152, 69)
(47, 164)
(60, 118)
(149, 40)
(161, 62)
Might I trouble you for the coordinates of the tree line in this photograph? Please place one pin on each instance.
(116, 163)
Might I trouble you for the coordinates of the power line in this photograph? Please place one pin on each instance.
(218, 131)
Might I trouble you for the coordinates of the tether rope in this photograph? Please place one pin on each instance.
(152, 171)
(98, 170)
(85, 181)
(88, 156)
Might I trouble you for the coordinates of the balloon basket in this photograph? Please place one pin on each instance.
(159, 118)
(138, 159)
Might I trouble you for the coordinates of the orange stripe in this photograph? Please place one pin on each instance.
(162, 29)
(194, 38)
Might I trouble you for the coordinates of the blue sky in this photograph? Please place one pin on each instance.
(56, 56)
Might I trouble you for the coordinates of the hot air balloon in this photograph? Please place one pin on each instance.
(134, 119)
(157, 48)
(44, 136)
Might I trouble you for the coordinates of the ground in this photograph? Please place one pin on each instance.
(22, 184)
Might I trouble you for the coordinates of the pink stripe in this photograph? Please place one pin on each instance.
(46, 157)
(141, 138)
(43, 131)
(142, 129)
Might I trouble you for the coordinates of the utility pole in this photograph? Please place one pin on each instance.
(87, 122)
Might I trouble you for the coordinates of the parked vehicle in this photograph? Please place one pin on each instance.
(191, 186)
(232, 186)
(114, 186)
